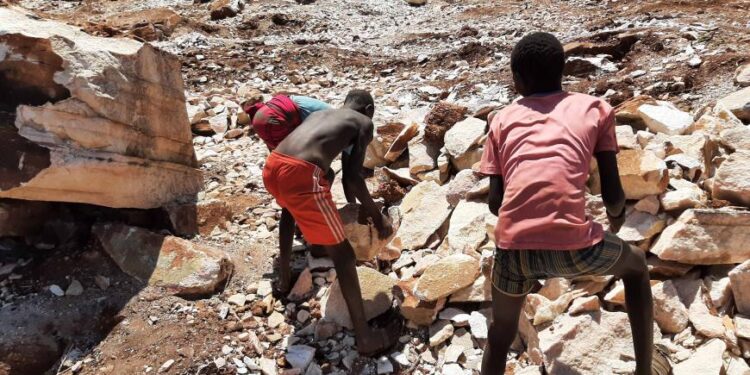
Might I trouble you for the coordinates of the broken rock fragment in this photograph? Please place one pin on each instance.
(446, 277)
(364, 238)
(706, 236)
(740, 281)
(466, 231)
(377, 295)
(732, 180)
(669, 312)
(221, 9)
(642, 173)
(424, 210)
(738, 103)
(415, 310)
(592, 344)
(708, 360)
(462, 142)
(178, 265)
(665, 118)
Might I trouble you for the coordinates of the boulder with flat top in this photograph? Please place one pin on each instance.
(97, 120)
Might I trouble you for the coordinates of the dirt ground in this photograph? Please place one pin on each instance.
(326, 48)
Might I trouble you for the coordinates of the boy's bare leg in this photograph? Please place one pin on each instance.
(286, 238)
(505, 313)
(369, 341)
(631, 267)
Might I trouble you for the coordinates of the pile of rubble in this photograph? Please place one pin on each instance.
(685, 176)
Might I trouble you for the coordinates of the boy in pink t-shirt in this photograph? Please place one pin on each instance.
(537, 155)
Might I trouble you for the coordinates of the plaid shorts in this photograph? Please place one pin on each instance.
(516, 272)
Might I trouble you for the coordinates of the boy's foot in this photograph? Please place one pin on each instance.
(379, 339)
(284, 281)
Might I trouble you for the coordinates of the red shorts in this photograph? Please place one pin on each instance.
(301, 187)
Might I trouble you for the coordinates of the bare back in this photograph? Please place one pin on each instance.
(325, 134)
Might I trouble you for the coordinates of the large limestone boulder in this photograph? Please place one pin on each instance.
(740, 281)
(706, 236)
(447, 276)
(114, 131)
(735, 139)
(665, 118)
(424, 210)
(642, 173)
(589, 344)
(738, 103)
(377, 296)
(640, 226)
(732, 180)
(462, 142)
(715, 121)
(178, 265)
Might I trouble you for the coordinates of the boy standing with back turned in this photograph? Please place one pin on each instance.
(537, 156)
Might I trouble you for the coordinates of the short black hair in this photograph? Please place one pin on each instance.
(538, 59)
(359, 98)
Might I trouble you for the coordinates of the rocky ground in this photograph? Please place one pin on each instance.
(77, 304)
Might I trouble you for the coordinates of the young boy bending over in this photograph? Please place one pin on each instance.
(537, 156)
(295, 174)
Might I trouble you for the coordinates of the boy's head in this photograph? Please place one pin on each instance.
(360, 101)
(537, 62)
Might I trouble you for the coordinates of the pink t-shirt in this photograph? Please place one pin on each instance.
(542, 146)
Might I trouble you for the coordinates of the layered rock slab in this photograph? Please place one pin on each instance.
(116, 127)
(706, 236)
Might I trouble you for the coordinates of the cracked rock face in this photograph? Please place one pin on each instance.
(114, 130)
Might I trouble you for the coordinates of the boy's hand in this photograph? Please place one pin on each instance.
(383, 224)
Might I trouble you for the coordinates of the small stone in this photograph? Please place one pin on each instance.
(237, 299)
(102, 282)
(220, 362)
(226, 349)
(478, 325)
(384, 366)
(74, 289)
(649, 204)
(166, 365)
(302, 287)
(585, 304)
(265, 287)
(275, 319)
(300, 356)
(742, 326)
(303, 316)
(56, 290)
(440, 332)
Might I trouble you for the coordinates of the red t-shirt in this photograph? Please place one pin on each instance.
(542, 146)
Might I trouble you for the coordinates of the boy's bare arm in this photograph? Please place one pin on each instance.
(612, 193)
(497, 189)
(353, 179)
(348, 191)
